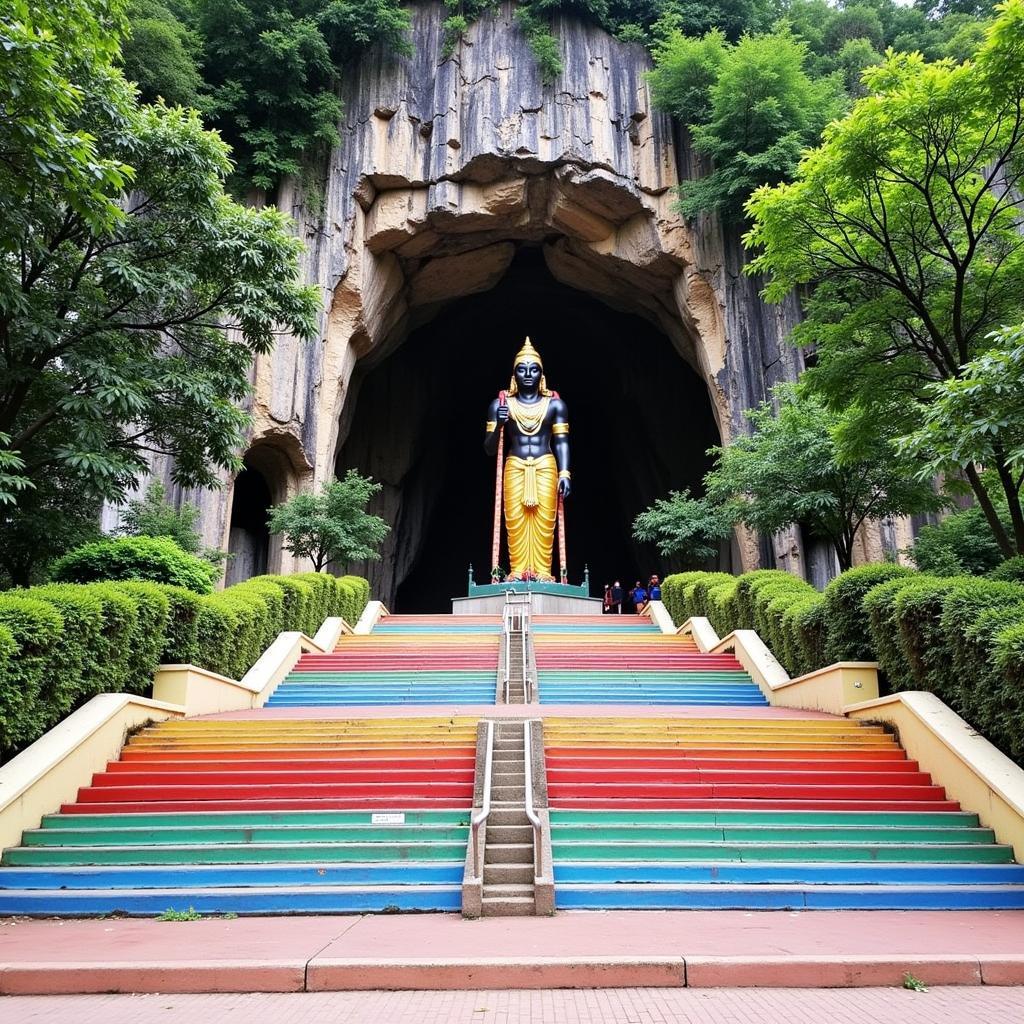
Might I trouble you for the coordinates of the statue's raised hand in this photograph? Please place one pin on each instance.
(501, 413)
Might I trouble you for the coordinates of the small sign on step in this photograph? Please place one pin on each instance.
(387, 818)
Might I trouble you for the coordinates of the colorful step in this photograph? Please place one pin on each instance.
(212, 814)
(758, 814)
(619, 660)
(407, 660)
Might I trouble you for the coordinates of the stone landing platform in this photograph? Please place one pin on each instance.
(582, 950)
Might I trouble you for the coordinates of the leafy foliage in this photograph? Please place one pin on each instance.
(157, 559)
(332, 526)
(683, 525)
(272, 70)
(961, 543)
(153, 516)
(133, 291)
(764, 111)
(160, 55)
(63, 643)
(806, 465)
(907, 220)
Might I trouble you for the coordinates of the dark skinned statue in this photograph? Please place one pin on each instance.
(535, 422)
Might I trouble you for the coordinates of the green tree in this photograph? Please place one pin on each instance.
(273, 70)
(804, 464)
(332, 526)
(685, 527)
(133, 291)
(161, 54)
(961, 545)
(153, 516)
(906, 219)
(764, 110)
(685, 71)
(49, 519)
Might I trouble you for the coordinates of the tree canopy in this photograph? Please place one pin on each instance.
(906, 221)
(332, 526)
(133, 290)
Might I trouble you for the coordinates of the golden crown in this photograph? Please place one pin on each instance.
(528, 354)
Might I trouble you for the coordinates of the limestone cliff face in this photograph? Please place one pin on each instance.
(444, 166)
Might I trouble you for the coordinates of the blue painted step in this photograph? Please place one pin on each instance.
(786, 897)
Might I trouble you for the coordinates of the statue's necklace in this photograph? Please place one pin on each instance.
(528, 418)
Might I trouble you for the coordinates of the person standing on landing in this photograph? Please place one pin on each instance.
(536, 471)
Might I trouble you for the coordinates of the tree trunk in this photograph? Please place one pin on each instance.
(991, 516)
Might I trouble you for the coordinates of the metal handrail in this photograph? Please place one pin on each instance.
(531, 814)
(481, 816)
(506, 629)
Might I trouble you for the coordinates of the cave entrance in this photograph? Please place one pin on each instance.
(641, 424)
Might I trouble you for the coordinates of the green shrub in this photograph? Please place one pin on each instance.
(673, 594)
(179, 640)
(37, 628)
(994, 696)
(962, 543)
(848, 631)
(74, 659)
(804, 632)
(886, 639)
(295, 595)
(321, 601)
(696, 592)
(1010, 571)
(720, 600)
(918, 610)
(358, 596)
(154, 609)
(751, 583)
(156, 559)
(113, 672)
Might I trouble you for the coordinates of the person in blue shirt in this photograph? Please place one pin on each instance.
(654, 589)
(639, 597)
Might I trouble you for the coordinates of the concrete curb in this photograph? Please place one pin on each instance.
(352, 974)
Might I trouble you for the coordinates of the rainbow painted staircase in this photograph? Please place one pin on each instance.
(695, 793)
(420, 660)
(259, 816)
(759, 813)
(622, 659)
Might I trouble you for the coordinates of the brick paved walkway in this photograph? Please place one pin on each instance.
(582, 1006)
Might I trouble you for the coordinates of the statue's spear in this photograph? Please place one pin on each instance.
(561, 540)
(496, 537)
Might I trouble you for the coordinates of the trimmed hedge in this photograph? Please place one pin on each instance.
(849, 637)
(959, 637)
(62, 643)
(156, 559)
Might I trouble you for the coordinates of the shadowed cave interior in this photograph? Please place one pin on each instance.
(641, 423)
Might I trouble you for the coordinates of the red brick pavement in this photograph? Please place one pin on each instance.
(560, 1006)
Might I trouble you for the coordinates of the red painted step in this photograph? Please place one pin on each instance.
(132, 754)
(739, 790)
(721, 804)
(257, 762)
(262, 777)
(397, 792)
(710, 776)
(730, 753)
(368, 803)
(671, 764)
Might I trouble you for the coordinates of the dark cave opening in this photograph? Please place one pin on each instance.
(641, 423)
(249, 538)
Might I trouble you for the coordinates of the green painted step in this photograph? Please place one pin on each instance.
(34, 856)
(814, 852)
(954, 819)
(248, 818)
(757, 833)
(199, 835)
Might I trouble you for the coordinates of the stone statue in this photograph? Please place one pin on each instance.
(533, 425)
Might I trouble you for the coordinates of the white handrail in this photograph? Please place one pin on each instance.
(531, 814)
(506, 629)
(481, 816)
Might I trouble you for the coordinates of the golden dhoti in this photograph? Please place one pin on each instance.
(531, 507)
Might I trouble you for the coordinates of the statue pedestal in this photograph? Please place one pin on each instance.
(545, 599)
